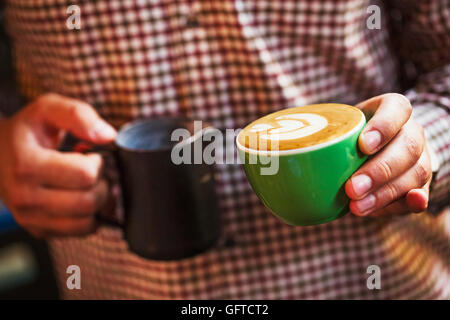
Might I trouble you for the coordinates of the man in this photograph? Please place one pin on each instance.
(231, 62)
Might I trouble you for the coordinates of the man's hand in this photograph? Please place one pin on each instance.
(396, 179)
(52, 193)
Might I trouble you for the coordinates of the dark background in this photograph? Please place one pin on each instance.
(25, 266)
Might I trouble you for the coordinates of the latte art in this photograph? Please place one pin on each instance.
(294, 126)
(300, 127)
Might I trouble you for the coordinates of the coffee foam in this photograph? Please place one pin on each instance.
(300, 127)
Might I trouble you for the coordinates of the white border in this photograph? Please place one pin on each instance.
(304, 149)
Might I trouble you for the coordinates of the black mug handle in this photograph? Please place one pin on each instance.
(75, 145)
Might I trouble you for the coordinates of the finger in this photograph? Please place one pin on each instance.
(396, 209)
(55, 169)
(398, 157)
(76, 117)
(417, 199)
(414, 178)
(46, 225)
(69, 203)
(391, 112)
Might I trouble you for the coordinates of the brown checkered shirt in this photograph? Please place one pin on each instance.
(230, 62)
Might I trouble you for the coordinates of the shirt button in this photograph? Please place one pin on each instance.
(192, 22)
(192, 16)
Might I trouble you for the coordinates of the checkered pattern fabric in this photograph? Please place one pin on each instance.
(231, 62)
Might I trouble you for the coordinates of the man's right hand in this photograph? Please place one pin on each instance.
(52, 193)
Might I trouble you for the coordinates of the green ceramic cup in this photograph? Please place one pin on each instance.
(308, 187)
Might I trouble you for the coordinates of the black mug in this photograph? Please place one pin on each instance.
(170, 209)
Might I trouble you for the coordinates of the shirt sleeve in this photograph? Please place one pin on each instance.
(420, 31)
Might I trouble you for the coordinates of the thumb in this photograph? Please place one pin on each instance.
(76, 117)
(390, 113)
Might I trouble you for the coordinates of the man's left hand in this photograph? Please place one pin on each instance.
(396, 179)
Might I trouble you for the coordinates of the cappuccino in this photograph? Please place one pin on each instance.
(300, 127)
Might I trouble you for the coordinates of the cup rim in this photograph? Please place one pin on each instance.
(303, 149)
(177, 120)
(138, 122)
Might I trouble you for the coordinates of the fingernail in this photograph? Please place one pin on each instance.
(361, 184)
(366, 203)
(372, 140)
(104, 131)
